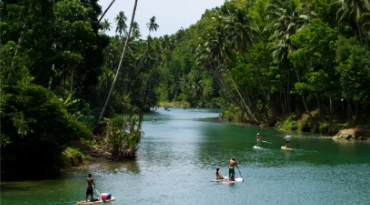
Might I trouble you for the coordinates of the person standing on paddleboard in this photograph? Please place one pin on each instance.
(232, 165)
(287, 140)
(258, 139)
(90, 187)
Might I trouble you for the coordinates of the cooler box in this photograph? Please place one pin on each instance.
(106, 196)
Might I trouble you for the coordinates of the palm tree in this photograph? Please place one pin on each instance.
(215, 53)
(105, 25)
(152, 25)
(366, 24)
(351, 11)
(121, 23)
(239, 27)
(135, 30)
(96, 128)
(287, 18)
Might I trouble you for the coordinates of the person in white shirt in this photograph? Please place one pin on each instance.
(287, 140)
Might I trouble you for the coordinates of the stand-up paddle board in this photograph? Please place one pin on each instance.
(96, 202)
(232, 182)
(257, 147)
(217, 180)
(286, 148)
(229, 182)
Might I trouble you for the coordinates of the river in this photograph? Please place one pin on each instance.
(180, 152)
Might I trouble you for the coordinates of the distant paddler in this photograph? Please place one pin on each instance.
(287, 140)
(258, 138)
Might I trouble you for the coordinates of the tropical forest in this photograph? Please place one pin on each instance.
(67, 87)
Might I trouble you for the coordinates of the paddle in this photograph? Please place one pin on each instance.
(105, 201)
(266, 142)
(239, 172)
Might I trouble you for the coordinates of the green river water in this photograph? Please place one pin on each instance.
(180, 152)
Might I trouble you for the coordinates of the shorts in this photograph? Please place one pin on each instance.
(231, 172)
(287, 142)
(89, 191)
(258, 140)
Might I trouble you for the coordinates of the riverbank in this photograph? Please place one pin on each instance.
(353, 134)
(338, 130)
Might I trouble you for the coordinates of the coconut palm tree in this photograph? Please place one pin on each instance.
(105, 25)
(240, 29)
(152, 25)
(96, 128)
(135, 30)
(287, 18)
(215, 53)
(351, 11)
(121, 23)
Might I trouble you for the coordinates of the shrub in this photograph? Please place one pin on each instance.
(36, 129)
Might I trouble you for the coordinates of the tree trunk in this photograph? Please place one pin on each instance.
(251, 115)
(224, 88)
(359, 32)
(96, 128)
(349, 111)
(303, 98)
(357, 111)
(101, 17)
(331, 106)
(282, 100)
(51, 78)
(288, 101)
(260, 84)
(21, 39)
(71, 86)
(318, 104)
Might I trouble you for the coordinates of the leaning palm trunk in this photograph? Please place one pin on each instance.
(225, 91)
(96, 128)
(101, 17)
(250, 116)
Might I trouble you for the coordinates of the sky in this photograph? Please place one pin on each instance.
(171, 15)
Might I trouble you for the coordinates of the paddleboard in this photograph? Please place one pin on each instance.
(96, 202)
(287, 149)
(217, 180)
(239, 179)
(229, 182)
(232, 182)
(257, 147)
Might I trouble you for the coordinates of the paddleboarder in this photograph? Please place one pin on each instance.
(90, 187)
(258, 139)
(287, 140)
(232, 165)
(218, 175)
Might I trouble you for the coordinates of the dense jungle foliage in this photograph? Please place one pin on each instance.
(263, 61)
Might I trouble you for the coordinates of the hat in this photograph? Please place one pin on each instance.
(258, 133)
